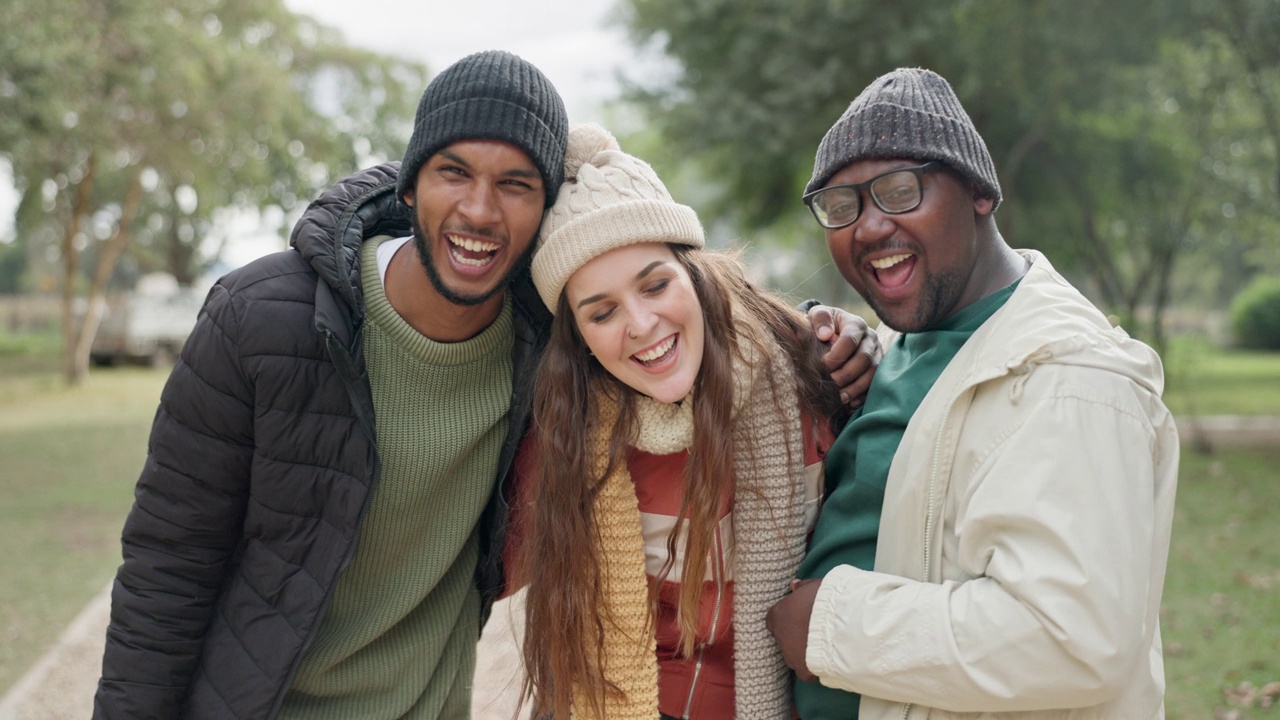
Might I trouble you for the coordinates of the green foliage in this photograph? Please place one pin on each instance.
(1145, 163)
(13, 265)
(206, 104)
(1255, 314)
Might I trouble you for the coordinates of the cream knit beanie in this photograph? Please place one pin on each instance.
(609, 200)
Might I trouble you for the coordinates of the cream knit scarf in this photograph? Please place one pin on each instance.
(768, 517)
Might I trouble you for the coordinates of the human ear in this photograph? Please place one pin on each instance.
(982, 205)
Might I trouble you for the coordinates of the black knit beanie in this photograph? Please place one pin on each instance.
(491, 95)
(908, 114)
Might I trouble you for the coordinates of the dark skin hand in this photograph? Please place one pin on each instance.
(788, 622)
(854, 351)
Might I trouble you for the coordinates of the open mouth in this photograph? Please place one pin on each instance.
(657, 354)
(470, 252)
(893, 271)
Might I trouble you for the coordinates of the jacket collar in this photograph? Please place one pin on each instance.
(1048, 321)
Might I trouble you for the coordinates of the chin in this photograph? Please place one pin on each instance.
(668, 393)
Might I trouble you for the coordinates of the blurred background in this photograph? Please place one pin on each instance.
(149, 146)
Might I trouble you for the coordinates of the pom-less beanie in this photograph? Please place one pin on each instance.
(909, 113)
(609, 199)
(491, 95)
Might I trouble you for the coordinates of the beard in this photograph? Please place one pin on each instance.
(939, 295)
(420, 242)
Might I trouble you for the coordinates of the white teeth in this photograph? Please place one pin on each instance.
(470, 261)
(890, 261)
(473, 245)
(656, 351)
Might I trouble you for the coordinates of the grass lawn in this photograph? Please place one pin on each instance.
(71, 456)
(1221, 612)
(1204, 380)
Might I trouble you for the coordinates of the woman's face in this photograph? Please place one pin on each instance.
(636, 308)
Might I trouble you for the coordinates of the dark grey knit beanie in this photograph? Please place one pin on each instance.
(490, 95)
(908, 114)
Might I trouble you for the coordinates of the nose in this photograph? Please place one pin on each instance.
(873, 225)
(480, 204)
(641, 322)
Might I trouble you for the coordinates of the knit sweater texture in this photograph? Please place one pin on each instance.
(398, 639)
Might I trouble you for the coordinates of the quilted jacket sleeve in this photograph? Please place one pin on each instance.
(185, 524)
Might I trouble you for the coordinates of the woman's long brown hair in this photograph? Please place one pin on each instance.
(565, 613)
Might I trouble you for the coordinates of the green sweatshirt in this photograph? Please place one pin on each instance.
(857, 467)
(399, 636)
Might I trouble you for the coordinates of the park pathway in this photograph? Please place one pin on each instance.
(61, 684)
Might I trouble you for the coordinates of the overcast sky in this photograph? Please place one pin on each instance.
(569, 40)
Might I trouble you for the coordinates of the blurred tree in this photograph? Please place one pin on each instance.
(1252, 29)
(1098, 131)
(130, 124)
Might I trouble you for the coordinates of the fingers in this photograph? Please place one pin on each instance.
(846, 361)
(855, 393)
(824, 325)
(841, 349)
(853, 351)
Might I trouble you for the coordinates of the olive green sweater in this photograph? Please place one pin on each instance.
(399, 636)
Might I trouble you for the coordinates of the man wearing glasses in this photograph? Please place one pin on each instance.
(1013, 440)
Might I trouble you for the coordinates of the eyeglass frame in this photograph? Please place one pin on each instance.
(917, 170)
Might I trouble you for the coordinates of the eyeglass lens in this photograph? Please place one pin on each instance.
(894, 192)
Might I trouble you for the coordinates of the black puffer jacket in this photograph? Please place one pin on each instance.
(260, 464)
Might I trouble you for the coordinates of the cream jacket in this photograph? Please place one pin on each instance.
(1025, 531)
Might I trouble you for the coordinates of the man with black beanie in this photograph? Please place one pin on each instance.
(1013, 441)
(317, 530)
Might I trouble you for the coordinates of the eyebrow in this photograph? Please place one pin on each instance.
(517, 172)
(639, 276)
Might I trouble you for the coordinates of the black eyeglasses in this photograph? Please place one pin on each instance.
(895, 192)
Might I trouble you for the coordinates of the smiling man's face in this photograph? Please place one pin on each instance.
(476, 207)
(914, 268)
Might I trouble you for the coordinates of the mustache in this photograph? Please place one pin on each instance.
(487, 233)
(888, 246)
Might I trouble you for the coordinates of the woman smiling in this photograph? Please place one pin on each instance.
(680, 419)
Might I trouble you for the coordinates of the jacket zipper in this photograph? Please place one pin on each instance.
(351, 551)
(933, 477)
(715, 624)
(933, 473)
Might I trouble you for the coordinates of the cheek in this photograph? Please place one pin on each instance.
(841, 250)
(595, 338)
(525, 217)
(837, 246)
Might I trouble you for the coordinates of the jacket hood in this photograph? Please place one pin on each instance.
(334, 225)
(1063, 327)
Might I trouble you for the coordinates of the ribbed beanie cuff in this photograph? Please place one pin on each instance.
(589, 236)
(907, 114)
(490, 95)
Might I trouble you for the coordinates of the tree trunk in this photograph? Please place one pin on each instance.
(111, 252)
(71, 268)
